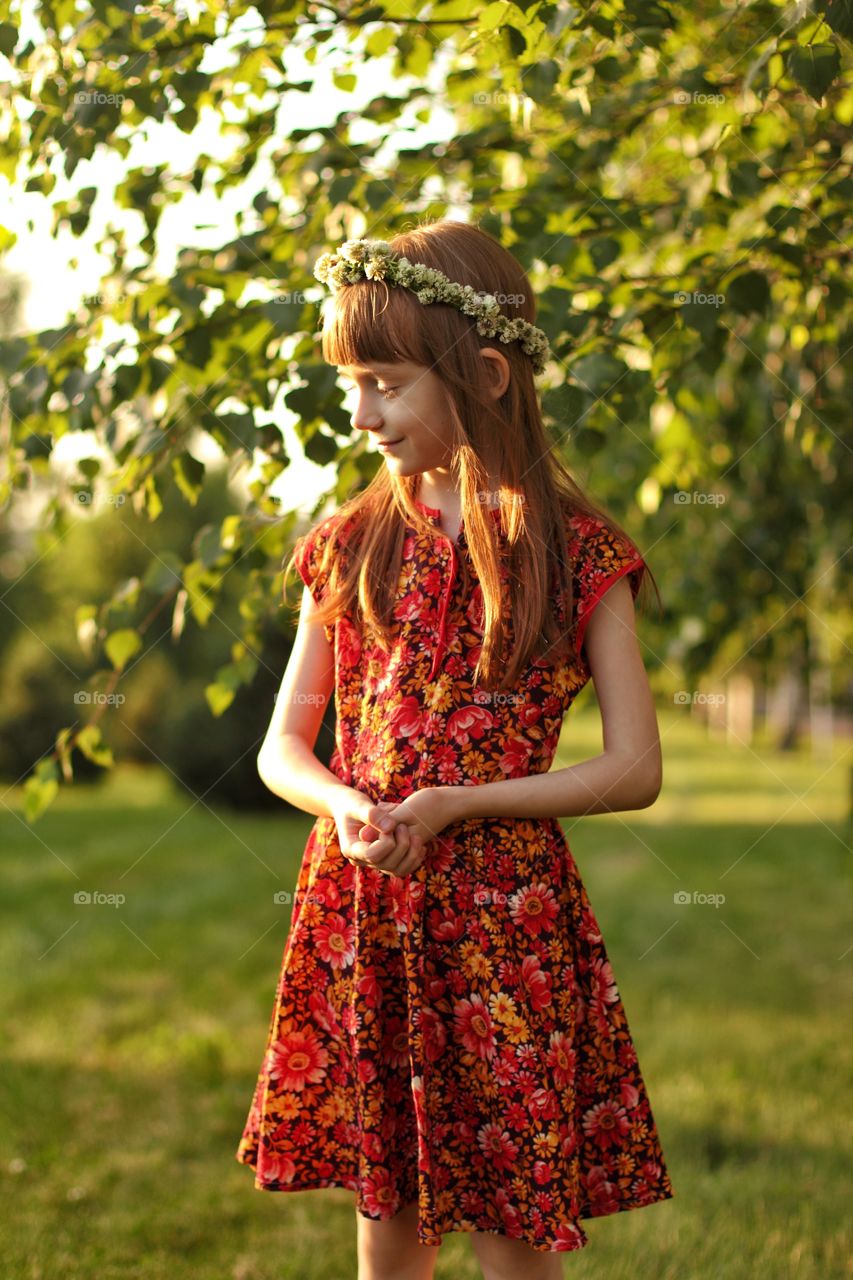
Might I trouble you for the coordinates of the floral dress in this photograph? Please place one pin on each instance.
(454, 1037)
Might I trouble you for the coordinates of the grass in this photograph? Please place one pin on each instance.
(134, 1033)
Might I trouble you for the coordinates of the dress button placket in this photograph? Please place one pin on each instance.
(441, 643)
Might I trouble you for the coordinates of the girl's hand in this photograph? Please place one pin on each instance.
(364, 840)
(426, 812)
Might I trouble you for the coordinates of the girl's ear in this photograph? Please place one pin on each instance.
(497, 371)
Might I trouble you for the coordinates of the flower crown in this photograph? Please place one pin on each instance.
(375, 260)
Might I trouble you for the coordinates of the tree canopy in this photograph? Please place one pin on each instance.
(676, 179)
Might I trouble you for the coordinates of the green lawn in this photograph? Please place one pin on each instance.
(133, 1034)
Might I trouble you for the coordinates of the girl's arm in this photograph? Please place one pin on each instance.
(628, 772)
(286, 760)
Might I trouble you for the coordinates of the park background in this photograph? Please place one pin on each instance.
(677, 182)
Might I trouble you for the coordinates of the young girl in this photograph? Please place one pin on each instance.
(447, 1039)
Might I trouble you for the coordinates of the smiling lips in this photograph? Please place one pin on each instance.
(383, 444)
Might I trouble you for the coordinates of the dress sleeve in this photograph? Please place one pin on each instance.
(603, 558)
(308, 554)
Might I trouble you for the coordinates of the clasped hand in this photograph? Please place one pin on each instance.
(391, 837)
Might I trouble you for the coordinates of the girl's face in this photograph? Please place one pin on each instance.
(403, 405)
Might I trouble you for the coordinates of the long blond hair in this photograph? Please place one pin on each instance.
(503, 440)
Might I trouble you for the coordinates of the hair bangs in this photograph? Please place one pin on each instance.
(370, 322)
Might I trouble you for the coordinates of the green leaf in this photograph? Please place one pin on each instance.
(93, 747)
(189, 476)
(814, 67)
(163, 573)
(219, 697)
(40, 789)
(838, 14)
(749, 292)
(121, 646)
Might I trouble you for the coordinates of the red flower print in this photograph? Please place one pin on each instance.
(468, 723)
(406, 720)
(604, 984)
(370, 989)
(602, 1192)
(630, 1095)
(536, 982)
(561, 1059)
(274, 1166)
(381, 1199)
(497, 1146)
(435, 1036)
(568, 1238)
(323, 1013)
(335, 941)
(606, 1124)
(534, 908)
(298, 1059)
(514, 759)
(474, 1026)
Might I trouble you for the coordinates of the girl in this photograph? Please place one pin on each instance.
(447, 1039)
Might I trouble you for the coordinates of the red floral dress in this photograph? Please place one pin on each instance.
(456, 1036)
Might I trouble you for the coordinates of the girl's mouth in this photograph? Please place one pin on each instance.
(390, 444)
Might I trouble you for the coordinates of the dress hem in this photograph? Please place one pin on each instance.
(320, 1184)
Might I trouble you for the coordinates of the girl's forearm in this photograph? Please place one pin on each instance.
(607, 783)
(288, 766)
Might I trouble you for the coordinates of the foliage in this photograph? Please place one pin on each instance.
(675, 177)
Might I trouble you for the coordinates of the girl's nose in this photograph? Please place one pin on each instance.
(366, 416)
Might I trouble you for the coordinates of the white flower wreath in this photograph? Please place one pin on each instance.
(375, 260)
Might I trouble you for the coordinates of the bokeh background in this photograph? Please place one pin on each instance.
(676, 180)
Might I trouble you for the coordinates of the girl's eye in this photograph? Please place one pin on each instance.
(387, 392)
